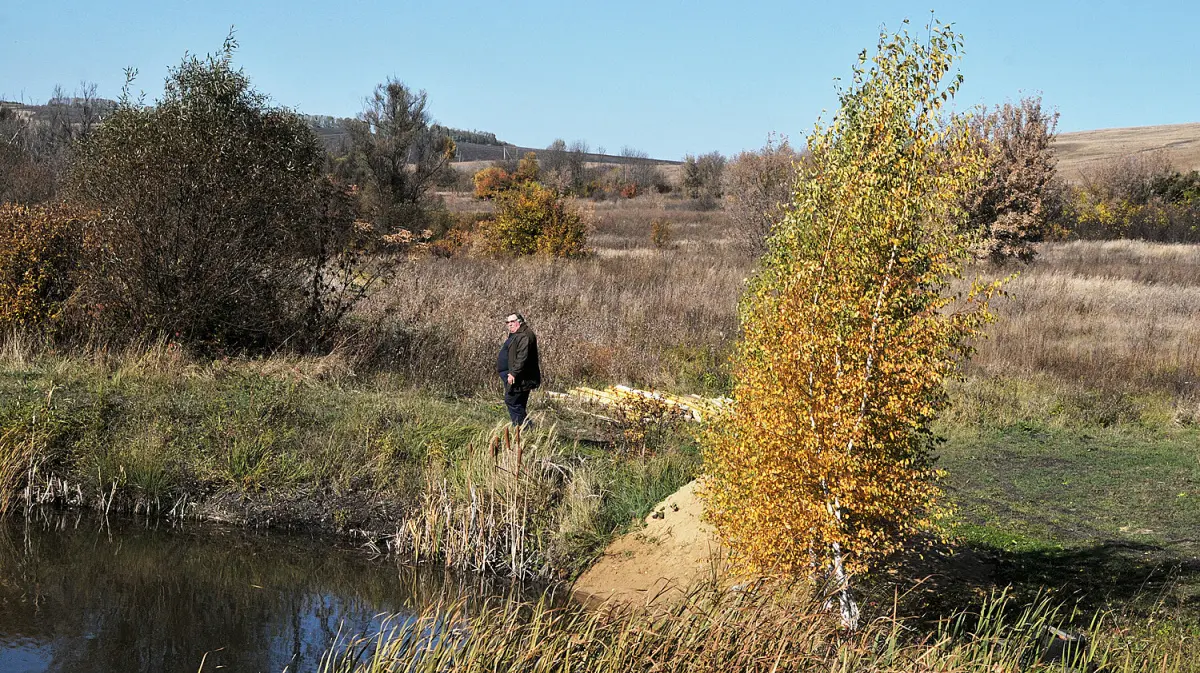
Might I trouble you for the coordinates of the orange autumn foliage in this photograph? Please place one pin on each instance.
(39, 250)
(824, 466)
(491, 181)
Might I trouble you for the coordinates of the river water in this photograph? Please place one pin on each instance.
(81, 595)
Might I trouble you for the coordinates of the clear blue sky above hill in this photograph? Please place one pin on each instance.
(665, 76)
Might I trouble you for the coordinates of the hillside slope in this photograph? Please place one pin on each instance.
(1076, 151)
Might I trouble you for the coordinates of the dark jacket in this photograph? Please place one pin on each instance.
(523, 360)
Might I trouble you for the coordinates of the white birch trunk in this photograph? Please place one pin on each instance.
(846, 603)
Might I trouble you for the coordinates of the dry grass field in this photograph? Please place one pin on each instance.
(629, 312)
(1105, 314)
(1116, 316)
(1079, 151)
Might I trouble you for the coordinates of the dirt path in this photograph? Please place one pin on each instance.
(673, 551)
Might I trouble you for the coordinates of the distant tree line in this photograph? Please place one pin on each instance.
(462, 136)
(331, 124)
(1016, 201)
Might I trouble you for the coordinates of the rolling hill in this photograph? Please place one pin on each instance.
(1079, 150)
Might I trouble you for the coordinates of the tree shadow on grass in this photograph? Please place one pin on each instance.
(1130, 577)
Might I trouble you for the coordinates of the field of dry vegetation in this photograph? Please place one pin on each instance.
(627, 313)
(1070, 440)
(1118, 316)
(1114, 315)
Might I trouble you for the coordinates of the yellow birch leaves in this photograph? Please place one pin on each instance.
(849, 329)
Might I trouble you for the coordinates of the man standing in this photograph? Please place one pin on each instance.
(518, 367)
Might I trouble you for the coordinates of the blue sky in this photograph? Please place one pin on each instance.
(665, 76)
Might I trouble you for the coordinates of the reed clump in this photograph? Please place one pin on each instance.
(16, 457)
(522, 502)
(495, 508)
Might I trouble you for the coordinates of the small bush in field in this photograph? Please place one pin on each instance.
(532, 218)
(629, 190)
(660, 234)
(702, 178)
(450, 244)
(1176, 187)
(758, 185)
(490, 181)
(528, 169)
(39, 249)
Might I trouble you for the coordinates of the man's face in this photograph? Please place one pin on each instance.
(512, 325)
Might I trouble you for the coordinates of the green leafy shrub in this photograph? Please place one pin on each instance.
(217, 229)
(703, 178)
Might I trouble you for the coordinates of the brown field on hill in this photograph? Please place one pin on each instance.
(1079, 151)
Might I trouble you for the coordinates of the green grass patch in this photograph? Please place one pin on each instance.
(1106, 515)
(1068, 486)
(263, 441)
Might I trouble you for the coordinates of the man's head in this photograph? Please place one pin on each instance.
(514, 322)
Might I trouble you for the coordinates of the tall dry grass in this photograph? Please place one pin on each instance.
(760, 630)
(1111, 315)
(16, 459)
(502, 507)
(628, 313)
(1117, 316)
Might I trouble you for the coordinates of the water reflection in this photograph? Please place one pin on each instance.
(83, 596)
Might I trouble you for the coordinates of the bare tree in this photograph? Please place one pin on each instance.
(89, 109)
(35, 147)
(1130, 178)
(758, 185)
(564, 166)
(638, 169)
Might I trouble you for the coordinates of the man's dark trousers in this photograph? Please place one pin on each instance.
(516, 401)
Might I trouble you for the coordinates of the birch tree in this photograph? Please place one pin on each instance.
(849, 329)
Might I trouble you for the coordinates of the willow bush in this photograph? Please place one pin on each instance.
(849, 329)
(215, 225)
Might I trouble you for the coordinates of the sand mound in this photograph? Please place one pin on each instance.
(674, 551)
